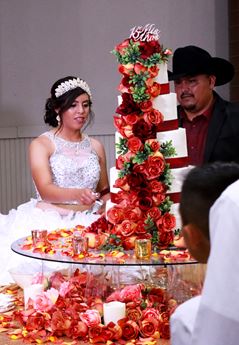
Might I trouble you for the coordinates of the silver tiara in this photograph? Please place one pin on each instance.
(72, 84)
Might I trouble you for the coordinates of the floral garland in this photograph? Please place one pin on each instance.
(142, 208)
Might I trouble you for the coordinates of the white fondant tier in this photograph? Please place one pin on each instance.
(178, 176)
(167, 105)
(178, 138)
(113, 177)
(162, 77)
(175, 211)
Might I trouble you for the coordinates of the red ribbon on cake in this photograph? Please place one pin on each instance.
(174, 197)
(115, 198)
(167, 125)
(164, 88)
(177, 162)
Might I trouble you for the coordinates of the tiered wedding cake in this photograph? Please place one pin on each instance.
(151, 151)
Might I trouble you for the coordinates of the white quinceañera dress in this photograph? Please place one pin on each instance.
(73, 165)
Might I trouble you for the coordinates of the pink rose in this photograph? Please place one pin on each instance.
(64, 288)
(130, 293)
(151, 313)
(42, 303)
(91, 317)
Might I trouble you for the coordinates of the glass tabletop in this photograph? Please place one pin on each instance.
(61, 253)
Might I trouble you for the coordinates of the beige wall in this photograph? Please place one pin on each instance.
(43, 40)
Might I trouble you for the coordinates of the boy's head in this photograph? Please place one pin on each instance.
(201, 188)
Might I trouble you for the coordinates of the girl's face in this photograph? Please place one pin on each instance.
(76, 116)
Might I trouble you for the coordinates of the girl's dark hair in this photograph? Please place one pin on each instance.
(63, 103)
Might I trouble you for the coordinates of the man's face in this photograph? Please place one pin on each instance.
(194, 93)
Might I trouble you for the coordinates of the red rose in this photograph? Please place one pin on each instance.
(158, 199)
(128, 106)
(99, 334)
(164, 330)
(115, 214)
(130, 329)
(131, 119)
(122, 183)
(136, 180)
(149, 48)
(153, 71)
(154, 90)
(144, 130)
(153, 117)
(155, 166)
(154, 144)
(167, 222)
(124, 84)
(134, 144)
(155, 296)
(35, 322)
(126, 69)
(133, 214)
(140, 229)
(166, 238)
(121, 47)
(154, 213)
(139, 68)
(145, 203)
(146, 106)
(128, 242)
(126, 228)
(157, 186)
(148, 327)
(140, 168)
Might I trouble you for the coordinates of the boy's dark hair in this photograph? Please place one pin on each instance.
(201, 187)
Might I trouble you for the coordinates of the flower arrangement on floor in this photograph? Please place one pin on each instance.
(63, 310)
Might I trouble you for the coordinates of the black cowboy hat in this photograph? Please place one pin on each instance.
(192, 60)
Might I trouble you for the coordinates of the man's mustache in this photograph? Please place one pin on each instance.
(184, 94)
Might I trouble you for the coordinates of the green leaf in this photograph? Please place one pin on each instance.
(167, 149)
(121, 146)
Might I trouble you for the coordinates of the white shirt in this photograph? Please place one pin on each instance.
(216, 321)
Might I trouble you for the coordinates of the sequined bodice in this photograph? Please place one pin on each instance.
(74, 164)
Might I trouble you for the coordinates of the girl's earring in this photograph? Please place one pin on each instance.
(58, 119)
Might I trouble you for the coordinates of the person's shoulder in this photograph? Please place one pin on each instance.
(232, 191)
(42, 141)
(95, 142)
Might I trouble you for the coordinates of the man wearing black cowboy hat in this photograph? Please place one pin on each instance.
(211, 123)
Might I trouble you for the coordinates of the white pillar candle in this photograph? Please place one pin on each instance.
(32, 291)
(113, 311)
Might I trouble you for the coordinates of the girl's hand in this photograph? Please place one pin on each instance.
(86, 196)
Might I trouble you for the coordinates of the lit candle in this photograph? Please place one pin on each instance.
(113, 311)
(32, 291)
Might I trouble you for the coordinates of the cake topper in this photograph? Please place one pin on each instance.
(145, 33)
